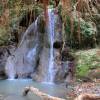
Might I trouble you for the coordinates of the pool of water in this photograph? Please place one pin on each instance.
(12, 89)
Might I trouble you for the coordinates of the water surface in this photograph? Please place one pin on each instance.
(12, 89)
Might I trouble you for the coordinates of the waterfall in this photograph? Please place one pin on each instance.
(35, 55)
(10, 70)
(51, 31)
(31, 54)
(13, 60)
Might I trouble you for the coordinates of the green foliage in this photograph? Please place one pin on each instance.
(1, 9)
(17, 10)
(51, 2)
(87, 60)
(4, 36)
(17, 16)
(80, 29)
(86, 28)
(11, 3)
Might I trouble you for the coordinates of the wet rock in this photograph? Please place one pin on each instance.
(4, 53)
(42, 69)
(58, 29)
(61, 73)
(66, 71)
(3, 57)
(23, 61)
(2, 75)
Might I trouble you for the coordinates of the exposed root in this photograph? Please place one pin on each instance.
(42, 95)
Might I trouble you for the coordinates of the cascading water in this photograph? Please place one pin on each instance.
(51, 31)
(10, 65)
(36, 53)
(10, 69)
(31, 54)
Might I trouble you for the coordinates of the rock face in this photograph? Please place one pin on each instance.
(32, 57)
(24, 60)
(4, 53)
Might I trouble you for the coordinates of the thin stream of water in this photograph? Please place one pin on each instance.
(51, 31)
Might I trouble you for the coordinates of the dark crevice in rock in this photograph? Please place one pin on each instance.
(57, 44)
(66, 56)
(2, 75)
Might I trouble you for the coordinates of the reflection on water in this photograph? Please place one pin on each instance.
(12, 89)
